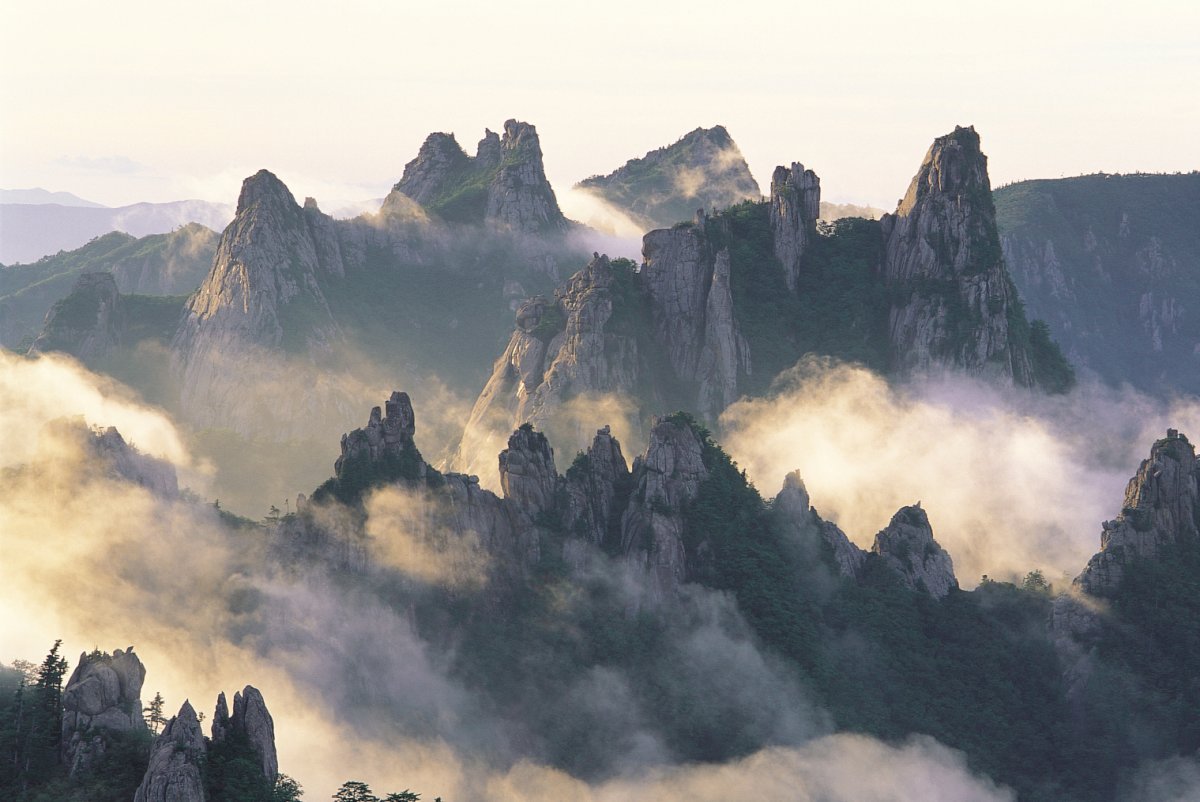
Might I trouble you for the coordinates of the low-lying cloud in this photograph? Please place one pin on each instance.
(1012, 480)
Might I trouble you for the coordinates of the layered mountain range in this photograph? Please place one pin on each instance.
(720, 305)
(1110, 262)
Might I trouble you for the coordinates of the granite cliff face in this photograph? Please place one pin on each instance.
(102, 696)
(661, 334)
(1109, 262)
(723, 303)
(250, 720)
(174, 772)
(1161, 508)
(503, 185)
(954, 301)
(908, 548)
(560, 349)
(267, 277)
(638, 515)
(703, 170)
(181, 758)
(89, 323)
(906, 545)
(687, 278)
(795, 207)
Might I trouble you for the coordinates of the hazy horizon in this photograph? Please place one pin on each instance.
(129, 102)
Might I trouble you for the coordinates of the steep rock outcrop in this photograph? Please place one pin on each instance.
(519, 196)
(688, 283)
(102, 696)
(262, 298)
(544, 365)
(527, 474)
(664, 481)
(504, 184)
(252, 721)
(1161, 508)
(907, 546)
(703, 170)
(792, 503)
(944, 266)
(89, 323)
(598, 488)
(174, 772)
(795, 207)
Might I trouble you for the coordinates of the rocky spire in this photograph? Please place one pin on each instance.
(102, 696)
(907, 546)
(795, 207)
(688, 283)
(504, 184)
(386, 439)
(598, 488)
(88, 323)
(943, 264)
(665, 480)
(1161, 508)
(438, 161)
(559, 349)
(252, 720)
(271, 261)
(174, 773)
(792, 505)
(519, 196)
(527, 473)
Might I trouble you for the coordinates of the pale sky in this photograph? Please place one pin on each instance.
(123, 100)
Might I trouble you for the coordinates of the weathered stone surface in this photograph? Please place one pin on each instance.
(907, 546)
(795, 207)
(520, 197)
(527, 474)
(173, 774)
(270, 264)
(598, 490)
(251, 719)
(792, 502)
(88, 323)
(506, 174)
(944, 264)
(540, 370)
(386, 438)
(427, 176)
(1161, 507)
(665, 480)
(692, 308)
(103, 694)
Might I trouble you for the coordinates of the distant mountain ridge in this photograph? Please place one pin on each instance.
(702, 170)
(37, 195)
(1112, 264)
(29, 232)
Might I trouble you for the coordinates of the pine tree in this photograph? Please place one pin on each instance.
(153, 714)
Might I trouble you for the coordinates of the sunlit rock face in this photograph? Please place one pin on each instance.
(1161, 508)
(176, 759)
(953, 296)
(907, 546)
(102, 696)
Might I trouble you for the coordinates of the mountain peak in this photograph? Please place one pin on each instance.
(1161, 507)
(702, 169)
(263, 186)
